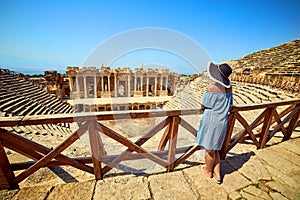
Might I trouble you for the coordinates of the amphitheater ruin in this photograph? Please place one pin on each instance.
(271, 75)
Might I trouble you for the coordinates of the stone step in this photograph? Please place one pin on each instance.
(269, 173)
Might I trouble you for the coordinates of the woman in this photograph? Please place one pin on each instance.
(216, 102)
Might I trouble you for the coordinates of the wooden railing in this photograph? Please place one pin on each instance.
(285, 114)
(92, 124)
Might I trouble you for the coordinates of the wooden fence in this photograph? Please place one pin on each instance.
(259, 131)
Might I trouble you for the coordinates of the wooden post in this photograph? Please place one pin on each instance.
(6, 174)
(172, 143)
(292, 124)
(226, 143)
(96, 149)
(165, 137)
(266, 127)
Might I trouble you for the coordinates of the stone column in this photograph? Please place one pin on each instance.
(102, 84)
(142, 83)
(77, 84)
(166, 83)
(116, 92)
(134, 83)
(95, 87)
(71, 83)
(128, 86)
(174, 84)
(161, 83)
(108, 82)
(147, 89)
(155, 86)
(84, 85)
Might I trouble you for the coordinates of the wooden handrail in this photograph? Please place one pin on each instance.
(268, 116)
(115, 115)
(171, 120)
(235, 108)
(91, 116)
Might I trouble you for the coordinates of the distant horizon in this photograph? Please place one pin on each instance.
(33, 73)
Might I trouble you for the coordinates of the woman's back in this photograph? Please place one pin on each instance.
(218, 88)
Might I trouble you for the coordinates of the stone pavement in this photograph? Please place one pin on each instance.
(270, 173)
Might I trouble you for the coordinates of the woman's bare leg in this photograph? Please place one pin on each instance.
(209, 161)
(217, 166)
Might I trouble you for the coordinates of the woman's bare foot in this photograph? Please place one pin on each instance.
(204, 170)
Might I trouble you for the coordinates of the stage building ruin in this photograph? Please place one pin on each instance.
(93, 89)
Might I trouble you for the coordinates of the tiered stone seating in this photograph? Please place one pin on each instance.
(189, 97)
(277, 67)
(20, 98)
(269, 93)
(243, 93)
(283, 58)
(288, 88)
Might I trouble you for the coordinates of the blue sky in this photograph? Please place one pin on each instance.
(51, 35)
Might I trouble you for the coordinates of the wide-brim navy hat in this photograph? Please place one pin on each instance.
(220, 73)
